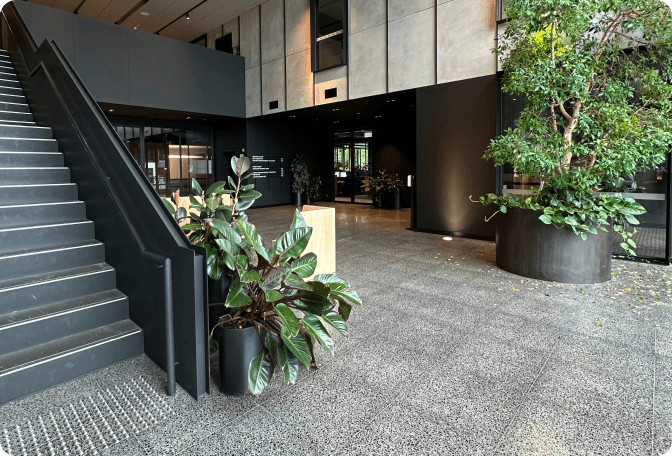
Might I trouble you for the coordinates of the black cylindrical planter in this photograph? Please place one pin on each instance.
(528, 247)
(393, 200)
(297, 199)
(378, 201)
(218, 290)
(237, 348)
(306, 199)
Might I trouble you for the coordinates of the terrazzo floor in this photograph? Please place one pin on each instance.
(449, 355)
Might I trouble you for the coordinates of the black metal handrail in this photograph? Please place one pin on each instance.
(161, 261)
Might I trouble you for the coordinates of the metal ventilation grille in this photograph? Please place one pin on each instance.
(131, 11)
(91, 425)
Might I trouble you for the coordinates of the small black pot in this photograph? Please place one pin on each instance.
(378, 201)
(393, 200)
(306, 199)
(297, 199)
(218, 290)
(237, 348)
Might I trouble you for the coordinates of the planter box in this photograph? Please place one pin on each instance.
(323, 241)
(529, 248)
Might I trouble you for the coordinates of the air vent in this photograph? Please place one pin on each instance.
(273, 105)
(330, 93)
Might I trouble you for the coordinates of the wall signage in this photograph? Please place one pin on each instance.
(264, 167)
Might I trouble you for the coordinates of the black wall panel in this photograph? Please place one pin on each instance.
(151, 71)
(129, 67)
(455, 123)
(103, 68)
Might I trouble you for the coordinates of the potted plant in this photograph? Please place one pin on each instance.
(392, 186)
(279, 315)
(207, 215)
(300, 180)
(598, 106)
(373, 187)
(313, 192)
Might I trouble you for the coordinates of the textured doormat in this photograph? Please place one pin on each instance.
(91, 425)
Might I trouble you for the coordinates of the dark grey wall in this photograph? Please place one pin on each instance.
(124, 66)
(455, 123)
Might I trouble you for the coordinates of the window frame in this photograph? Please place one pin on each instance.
(314, 18)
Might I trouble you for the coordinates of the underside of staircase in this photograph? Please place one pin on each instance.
(61, 316)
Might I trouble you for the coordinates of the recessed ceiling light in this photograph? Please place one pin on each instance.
(144, 13)
(292, 116)
(358, 113)
(188, 118)
(111, 110)
(335, 109)
(447, 238)
(135, 28)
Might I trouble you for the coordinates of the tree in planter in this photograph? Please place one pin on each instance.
(314, 188)
(272, 293)
(596, 78)
(300, 175)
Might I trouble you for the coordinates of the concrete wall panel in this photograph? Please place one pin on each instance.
(366, 14)
(272, 30)
(250, 38)
(233, 28)
(368, 62)
(213, 35)
(412, 51)
(297, 25)
(336, 78)
(300, 86)
(401, 8)
(253, 91)
(273, 86)
(466, 37)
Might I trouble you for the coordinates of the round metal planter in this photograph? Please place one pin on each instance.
(529, 248)
(237, 348)
(392, 200)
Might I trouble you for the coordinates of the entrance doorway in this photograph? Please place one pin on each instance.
(353, 166)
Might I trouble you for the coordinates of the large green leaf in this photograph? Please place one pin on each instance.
(295, 281)
(320, 289)
(297, 345)
(228, 261)
(226, 231)
(314, 303)
(289, 318)
(350, 295)
(196, 187)
(260, 372)
(228, 246)
(298, 222)
(224, 214)
(244, 205)
(249, 195)
(336, 321)
(237, 296)
(344, 309)
(195, 204)
(215, 270)
(273, 295)
(333, 282)
(253, 238)
(192, 227)
(314, 326)
(249, 276)
(214, 187)
(169, 206)
(288, 363)
(242, 165)
(292, 243)
(305, 266)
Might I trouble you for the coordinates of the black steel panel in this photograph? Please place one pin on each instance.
(151, 73)
(102, 60)
(50, 24)
(455, 123)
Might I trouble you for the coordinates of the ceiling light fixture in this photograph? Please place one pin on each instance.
(188, 117)
(187, 15)
(111, 110)
(447, 238)
(144, 13)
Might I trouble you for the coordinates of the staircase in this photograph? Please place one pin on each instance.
(61, 316)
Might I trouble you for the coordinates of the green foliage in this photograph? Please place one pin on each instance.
(300, 175)
(212, 222)
(270, 293)
(595, 76)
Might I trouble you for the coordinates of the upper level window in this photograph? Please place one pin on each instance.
(329, 32)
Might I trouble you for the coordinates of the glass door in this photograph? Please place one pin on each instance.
(353, 166)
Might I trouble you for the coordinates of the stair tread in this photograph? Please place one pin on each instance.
(90, 243)
(50, 310)
(45, 225)
(55, 349)
(54, 276)
(52, 203)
